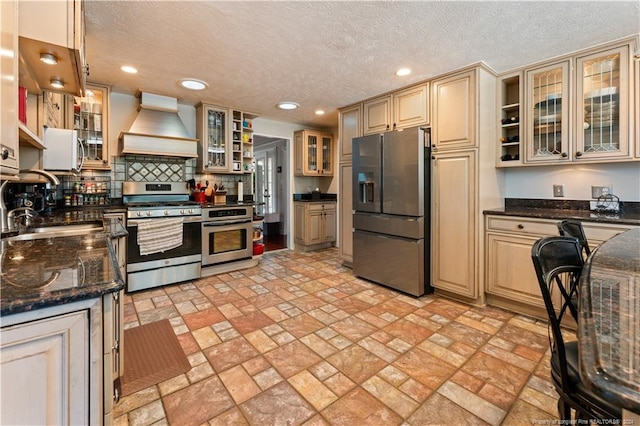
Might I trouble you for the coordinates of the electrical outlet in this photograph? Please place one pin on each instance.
(558, 190)
(599, 191)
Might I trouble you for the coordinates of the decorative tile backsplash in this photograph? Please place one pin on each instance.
(146, 168)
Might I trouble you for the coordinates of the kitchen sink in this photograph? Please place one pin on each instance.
(56, 231)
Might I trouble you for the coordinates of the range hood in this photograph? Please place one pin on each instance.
(158, 130)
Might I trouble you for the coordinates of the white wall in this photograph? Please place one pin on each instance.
(537, 182)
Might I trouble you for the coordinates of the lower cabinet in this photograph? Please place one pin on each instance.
(314, 224)
(59, 364)
(511, 280)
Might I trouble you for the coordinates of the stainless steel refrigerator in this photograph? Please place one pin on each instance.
(391, 193)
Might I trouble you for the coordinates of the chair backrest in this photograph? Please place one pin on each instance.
(558, 263)
(573, 228)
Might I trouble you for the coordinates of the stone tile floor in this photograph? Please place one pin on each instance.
(299, 340)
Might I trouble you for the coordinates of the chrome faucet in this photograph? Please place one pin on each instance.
(6, 225)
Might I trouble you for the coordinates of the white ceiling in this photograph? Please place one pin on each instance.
(328, 54)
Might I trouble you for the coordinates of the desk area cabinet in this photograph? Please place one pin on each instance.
(511, 281)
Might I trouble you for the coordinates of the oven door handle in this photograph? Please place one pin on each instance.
(225, 222)
(135, 222)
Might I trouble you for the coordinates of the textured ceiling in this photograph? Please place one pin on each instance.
(328, 54)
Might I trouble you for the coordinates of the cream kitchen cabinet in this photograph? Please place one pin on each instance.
(402, 109)
(453, 225)
(313, 153)
(89, 116)
(56, 358)
(547, 113)
(511, 280)
(454, 112)
(350, 127)
(9, 147)
(212, 131)
(464, 181)
(314, 224)
(592, 123)
(603, 105)
(345, 209)
(65, 40)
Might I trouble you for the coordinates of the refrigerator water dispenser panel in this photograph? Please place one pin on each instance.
(366, 188)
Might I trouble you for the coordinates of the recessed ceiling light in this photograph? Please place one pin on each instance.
(319, 112)
(129, 69)
(48, 58)
(288, 105)
(193, 84)
(57, 83)
(403, 71)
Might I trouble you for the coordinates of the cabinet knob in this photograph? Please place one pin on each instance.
(5, 153)
(394, 125)
(564, 155)
(579, 154)
(520, 226)
(387, 127)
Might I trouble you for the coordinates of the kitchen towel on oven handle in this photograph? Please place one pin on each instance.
(155, 236)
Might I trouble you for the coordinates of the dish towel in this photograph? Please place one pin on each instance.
(155, 236)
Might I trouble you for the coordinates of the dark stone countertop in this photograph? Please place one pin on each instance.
(609, 310)
(571, 209)
(315, 198)
(45, 272)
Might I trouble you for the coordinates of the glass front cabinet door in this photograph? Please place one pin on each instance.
(212, 131)
(90, 120)
(547, 113)
(602, 127)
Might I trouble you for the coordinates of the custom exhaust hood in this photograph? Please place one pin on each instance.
(158, 130)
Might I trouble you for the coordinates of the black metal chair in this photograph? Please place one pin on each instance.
(558, 263)
(573, 228)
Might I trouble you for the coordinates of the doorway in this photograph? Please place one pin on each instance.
(272, 189)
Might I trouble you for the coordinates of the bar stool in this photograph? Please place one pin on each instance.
(573, 228)
(558, 263)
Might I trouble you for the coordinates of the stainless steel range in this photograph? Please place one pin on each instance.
(164, 244)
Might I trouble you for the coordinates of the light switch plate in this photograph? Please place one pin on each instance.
(558, 190)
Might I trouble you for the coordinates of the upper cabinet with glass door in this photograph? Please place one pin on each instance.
(90, 120)
(547, 113)
(602, 96)
(313, 153)
(212, 130)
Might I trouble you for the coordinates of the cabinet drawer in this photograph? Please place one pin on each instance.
(318, 207)
(600, 232)
(522, 225)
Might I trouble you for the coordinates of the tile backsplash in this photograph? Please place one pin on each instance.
(146, 168)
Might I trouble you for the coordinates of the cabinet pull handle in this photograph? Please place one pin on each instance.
(520, 226)
(579, 154)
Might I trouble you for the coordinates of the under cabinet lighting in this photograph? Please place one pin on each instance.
(319, 112)
(403, 71)
(58, 84)
(288, 105)
(193, 84)
(48, 58)
(129, 69)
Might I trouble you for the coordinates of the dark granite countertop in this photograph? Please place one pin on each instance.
(315, 198)
(569, 209)
(45, 272)
(608, 323)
